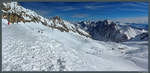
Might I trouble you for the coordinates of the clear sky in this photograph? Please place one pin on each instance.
(136, 12)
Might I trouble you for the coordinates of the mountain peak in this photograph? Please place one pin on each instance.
(56, 18)
(107, 21)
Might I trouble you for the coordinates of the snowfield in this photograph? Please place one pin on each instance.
(35, 47)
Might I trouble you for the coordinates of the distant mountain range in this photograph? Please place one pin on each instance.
(110, 31)
(138, 26)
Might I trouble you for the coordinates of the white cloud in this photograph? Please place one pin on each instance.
(137, 4)
(133, 9)
(134, 6)
(44, 13)
(93, 7)
(67, 8)
(79, 15)
(139, 20)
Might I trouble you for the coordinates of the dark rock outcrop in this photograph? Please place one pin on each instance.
(103, 30)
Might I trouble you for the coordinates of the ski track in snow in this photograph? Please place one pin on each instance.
(25, 49)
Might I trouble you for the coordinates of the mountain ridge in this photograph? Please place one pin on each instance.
(17, 13)
(109, 30)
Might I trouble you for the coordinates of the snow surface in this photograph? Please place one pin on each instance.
(35, 47)
(130, 32)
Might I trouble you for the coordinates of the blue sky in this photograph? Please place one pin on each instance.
(136, 12)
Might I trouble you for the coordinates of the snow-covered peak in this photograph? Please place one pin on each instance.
(56, 18)
(122, 24)
(87, 22)
(27, 15)
(107, 22)
(16, 8)
(11, 5)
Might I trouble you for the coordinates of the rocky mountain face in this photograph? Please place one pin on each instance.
(15, 13)
(109, 31)
(62, 25)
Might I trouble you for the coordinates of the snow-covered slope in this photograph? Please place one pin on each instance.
(25, 49)
(45, 45)
(129, 31)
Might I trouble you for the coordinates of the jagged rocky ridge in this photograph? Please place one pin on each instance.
(109, 31)
(16, 13)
